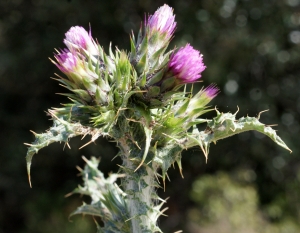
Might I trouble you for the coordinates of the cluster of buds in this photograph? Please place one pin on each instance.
(101, 84)
(136, 99)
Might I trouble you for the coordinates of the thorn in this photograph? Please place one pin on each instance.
(33, 132)
(159, 175)
(130, 218)
(149, 162)
(84, 136)
(68, 145)
(29, 180)
(162, 212)
(79, 168)
(120, 166)
(68, 194)
(180, 170)
(135, 142)
(271, 125)
(204, 152)
(86, 144)
(258, 116)
(168, 177)
(28, 144)
(58, 76)
(237, 110)
(84, 159)
(139, 166)
(56, 79)
(28, 173)
(156, 177)
(114, 157)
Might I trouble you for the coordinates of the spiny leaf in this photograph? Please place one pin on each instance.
(91, 210)
(61, 131)
(225, 125)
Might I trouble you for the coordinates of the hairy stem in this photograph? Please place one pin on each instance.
(139, 186)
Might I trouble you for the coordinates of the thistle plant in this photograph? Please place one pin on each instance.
(143, 100)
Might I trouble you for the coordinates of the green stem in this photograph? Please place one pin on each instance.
(139, 186)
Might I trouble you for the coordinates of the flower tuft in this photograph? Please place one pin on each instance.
(66, 61)
(187, 64)
(76, 69)
(198, 103)
(211, 91)
(78, 38)
(163, 20)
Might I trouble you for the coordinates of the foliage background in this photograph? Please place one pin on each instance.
(252, 52)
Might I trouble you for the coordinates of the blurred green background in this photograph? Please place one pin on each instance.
(252, 52)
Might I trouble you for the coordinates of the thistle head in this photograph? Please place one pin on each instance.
(186, 65)
(162, 21)
(147, 52)
(77, 38)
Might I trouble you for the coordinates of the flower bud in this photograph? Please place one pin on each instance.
(78, 38)
(162, 22)
(160, 28)
(69, 63)
(82, 79)
(186, 64)
(66, 61)
(147, 53)
(198, 103)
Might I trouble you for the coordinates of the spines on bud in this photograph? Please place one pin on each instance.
(147, 52)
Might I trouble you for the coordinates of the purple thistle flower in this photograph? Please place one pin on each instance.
(186, 64)
(163, 21)
(78, 38)
(66, 61)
